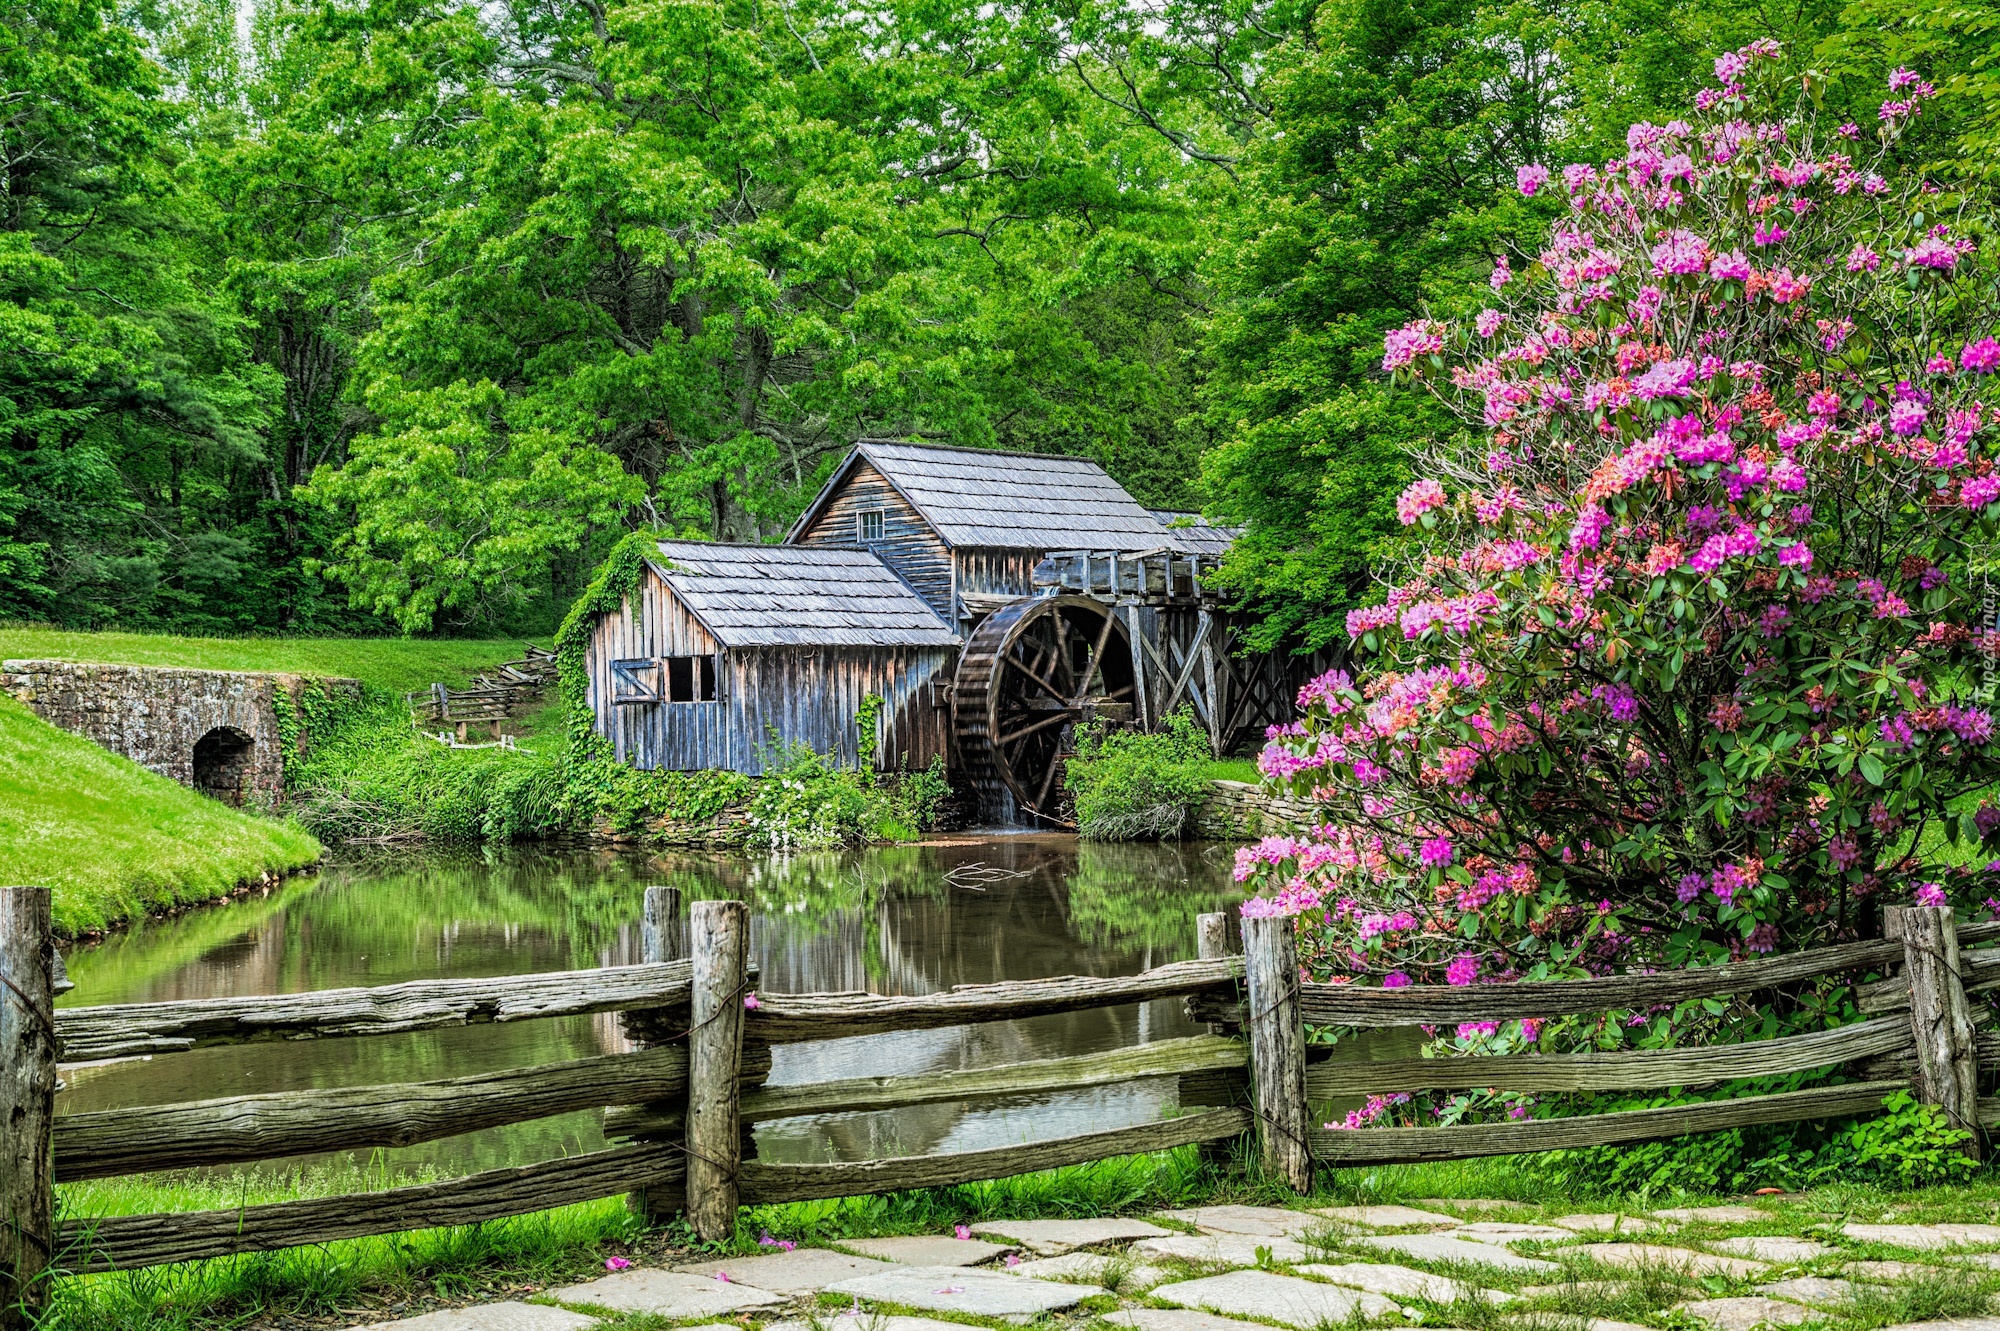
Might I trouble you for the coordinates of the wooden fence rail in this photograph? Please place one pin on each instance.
(679, 1107)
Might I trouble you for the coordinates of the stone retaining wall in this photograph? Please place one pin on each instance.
(213, 730)
(1240, 811)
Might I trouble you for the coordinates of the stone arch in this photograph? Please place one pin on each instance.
(222, 764)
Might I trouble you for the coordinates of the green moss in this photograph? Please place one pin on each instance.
(114, 840)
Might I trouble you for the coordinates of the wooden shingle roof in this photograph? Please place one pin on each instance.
(1193, 534)
(1012, 501)
(798, 596)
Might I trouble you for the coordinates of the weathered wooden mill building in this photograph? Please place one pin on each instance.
(991, 600)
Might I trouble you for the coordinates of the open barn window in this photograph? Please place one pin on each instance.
(869, 521)
(690, 678)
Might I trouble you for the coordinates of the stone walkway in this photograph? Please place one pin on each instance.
(1251, 1268)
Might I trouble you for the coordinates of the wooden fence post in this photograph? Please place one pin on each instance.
(656, 922)
(1277, 1048)
(27, 1102)
(719, 939)
(1212, 943)
(1940, 1016)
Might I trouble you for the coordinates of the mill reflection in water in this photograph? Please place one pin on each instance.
(889, 920)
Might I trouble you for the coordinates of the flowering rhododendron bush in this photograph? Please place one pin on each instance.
(1686, 661)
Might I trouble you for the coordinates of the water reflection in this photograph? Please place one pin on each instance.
(887, 920)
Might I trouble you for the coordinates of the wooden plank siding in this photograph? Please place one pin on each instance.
(991, 571)
(797, 694)
(909, 545)
(812, 695)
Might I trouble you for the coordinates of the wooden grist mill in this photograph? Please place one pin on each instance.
(992, 602)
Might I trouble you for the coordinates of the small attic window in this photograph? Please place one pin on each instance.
(869, 524)
(690, 678)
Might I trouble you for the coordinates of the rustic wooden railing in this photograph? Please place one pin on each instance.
(677, 1109)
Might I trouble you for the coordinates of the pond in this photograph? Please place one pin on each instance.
(968, 909)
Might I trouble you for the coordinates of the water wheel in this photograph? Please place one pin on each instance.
(1032, 670)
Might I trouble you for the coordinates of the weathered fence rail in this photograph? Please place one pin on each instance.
(678, 1108)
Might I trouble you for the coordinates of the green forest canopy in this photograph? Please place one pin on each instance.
(371, 315)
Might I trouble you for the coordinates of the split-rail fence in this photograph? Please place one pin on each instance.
(680, 1107)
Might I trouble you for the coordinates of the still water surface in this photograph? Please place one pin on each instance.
(886, 919)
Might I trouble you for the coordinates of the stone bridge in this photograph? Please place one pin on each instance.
(214, 730)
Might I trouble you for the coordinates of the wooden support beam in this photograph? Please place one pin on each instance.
(719, 938)
(1213, 942)
(27, 1103)
(1940, 1016)
(1277, 1049)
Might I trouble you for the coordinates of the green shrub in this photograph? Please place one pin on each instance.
(1131, 786)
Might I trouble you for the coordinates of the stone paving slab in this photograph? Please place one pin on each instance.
(1675, 1259)
(1092, 1268)
(1717, 1215)
(1510, 1231)
(1274, 1221)
(1810, 1289)
(1224, 1249)
(1989, 1260)
(493, 1317)
(1772, 1248)
(928, 1249)
(959, 1289)
(1960, 1324)
(1889, 1270)
(801, 1271)
(1400, 1282)
(1606, 1324)
(1744, 1313)
(1598, 1222)
(1275, 1298)
(1445, 1248)
(1052, 1238)
(1385, 1217)
(671, 1294)
(1171, 1319)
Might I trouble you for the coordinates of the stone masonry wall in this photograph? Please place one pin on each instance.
(160, 716)
(1240, 811)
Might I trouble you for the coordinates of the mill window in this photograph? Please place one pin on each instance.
(690, 678)
(870, 521)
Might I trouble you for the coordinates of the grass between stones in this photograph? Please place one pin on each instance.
(379, 1279)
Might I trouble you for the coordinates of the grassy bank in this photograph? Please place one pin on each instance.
(407, 1274)
(115, 840)
(397, 664)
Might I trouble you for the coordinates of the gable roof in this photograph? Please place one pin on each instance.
(1013, 501)
(798, 596)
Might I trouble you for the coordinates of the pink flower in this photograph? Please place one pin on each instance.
(1463, 970)
(1730, 267)
(1488, 322)
(1931, 894)
(1419, 337)
(1531, 178)
(1680, 251)
(1981, 357)
(1418, 499)
(723, 1276)
(1436, 852)
(750, 1001)
(1907, 418)
(1861, 259)
(1013, 1260)
(1395, 980)
(950, 1289)
(616, 1263)
(1979, 491)
(961, 1231)
(1730, 67)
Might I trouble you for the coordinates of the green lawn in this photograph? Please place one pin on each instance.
(400, 664)
(1223, 769)
(115, 840)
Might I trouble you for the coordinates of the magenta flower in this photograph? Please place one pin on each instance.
(1418, 499)
(1907, 418)
(1981, 357)
(1931, 894)
(1463, 970)
(1436, 852)
(1395, 980)
(1979, 491)
(1419, 337)
(617, 1263)
(1731, 267)
(1680, 251)
(1531, 178)
(750, 1001)
(1488, 322)
(1730, 67)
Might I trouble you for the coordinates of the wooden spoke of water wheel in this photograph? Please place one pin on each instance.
(1032, 670)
